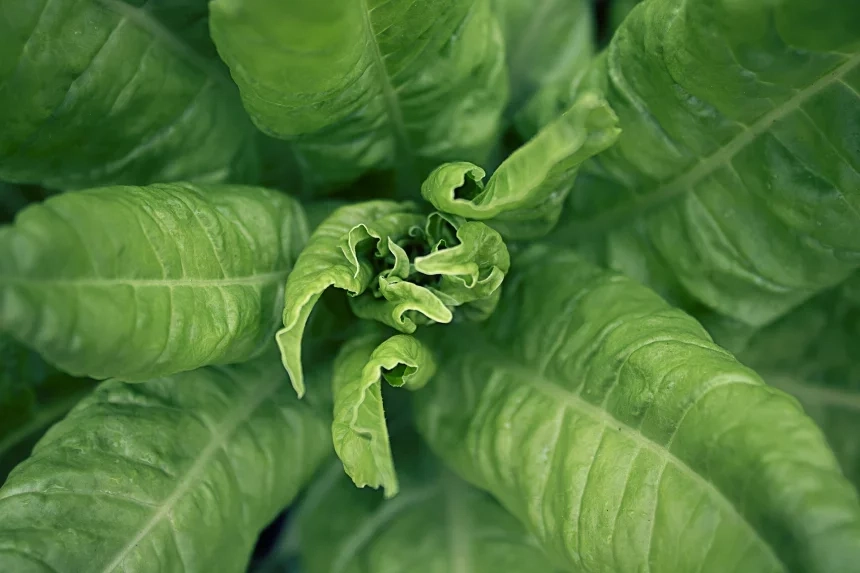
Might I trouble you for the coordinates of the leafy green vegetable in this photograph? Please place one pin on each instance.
(33, 396)
(175, 474)
(546, 42)
(613, 427)
(812, 354)
(369, 84)
(737, 170)
(401, 268)
(524, 197)
(437, 525)
(359, 430)
(618, 11)
(116, 281)
(96, 92)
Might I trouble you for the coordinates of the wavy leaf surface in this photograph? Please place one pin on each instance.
(748, 204)
(524, 197)
(399, 267)
(613, 427)
(98, 92)
(359, 428)
(369, 84)
(175, 474)
(117, 281)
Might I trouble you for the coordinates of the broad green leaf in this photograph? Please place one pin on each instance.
(524, 197)
(812, 354)
(32, 397)
(626, 440)
(738, 169)
(438, 524)
(359, 429)
(368, 84)
(399, 267)
(174, 474)
(137, 282)
(546, 42)
(96, 92)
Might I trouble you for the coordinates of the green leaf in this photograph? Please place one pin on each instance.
(96, 92)
(368, 84)
(174, 474)
(546, 42)
(524, 197)
(32, 397)
(399, 267)
(137, 282)
(738, 167)
(359, 429)
(438, 524)
(812, 354)
(612, 426)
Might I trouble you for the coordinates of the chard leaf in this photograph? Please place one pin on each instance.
(618, 11)
(174, 474)
(738, 167)
(97, 92)
(399, 267)
(524, 197)
(546, 42)
(438, 524)
(359, 429)
(136, 282)
(33, 396)
(612, 426)
(369, 84)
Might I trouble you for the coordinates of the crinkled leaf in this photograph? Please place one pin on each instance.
(738, 166)
(524, 197)
(136, 282)
(174, 474)
(370, 84)
(438, 524)
(33, 396)
(401, 268)
(546, 42)
(359, 429)
(612, 426)
(96, 92)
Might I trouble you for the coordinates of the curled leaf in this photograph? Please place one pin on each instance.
(359, 430)
(524, 197)
(399, 267)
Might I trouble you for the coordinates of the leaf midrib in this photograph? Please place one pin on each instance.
(684, 182)
(142, 19)
(219, 438)
(575, 402)
(263, 278)
(459, 526)
(404, 155)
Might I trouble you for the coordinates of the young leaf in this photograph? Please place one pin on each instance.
(96, 92)
(368, 84)
(438, 524)
(400, 268)
(174, 474)
(612, 426)
(737, 167)
(546, 42)
(33, 396)
(524, 197)
(359, 429)
(137, 282)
